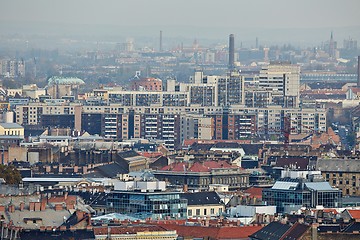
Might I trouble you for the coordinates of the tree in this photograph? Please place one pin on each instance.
(10, 174)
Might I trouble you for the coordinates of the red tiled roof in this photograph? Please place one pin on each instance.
(205, 166)
(199, 167)
(355, 214)
(254, 192)
(237, 232)
(224, 232)
(176, 167)
(126, 229)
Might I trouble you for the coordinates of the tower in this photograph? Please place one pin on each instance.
(358, 72)
(160, 47)
(231, 52)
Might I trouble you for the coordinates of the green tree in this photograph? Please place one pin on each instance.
(10, 174)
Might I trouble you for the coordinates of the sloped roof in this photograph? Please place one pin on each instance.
(319, 186)
(224, 232)
(273, 231)
(11, 125)
(254, 192)
(354, 214)
(338, 165)
(202, 198)
(285, 185)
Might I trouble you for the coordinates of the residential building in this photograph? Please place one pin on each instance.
(282, 80)
(203, 204)
(341, 173)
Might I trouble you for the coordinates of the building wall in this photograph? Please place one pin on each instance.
(347, 182)
(205, 210)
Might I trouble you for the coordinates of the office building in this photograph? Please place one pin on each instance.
(298, 189)
(146, 200)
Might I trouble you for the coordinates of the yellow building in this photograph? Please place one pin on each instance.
(11, 129)
(203, 204)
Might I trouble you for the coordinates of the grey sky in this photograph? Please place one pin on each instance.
(230, 13)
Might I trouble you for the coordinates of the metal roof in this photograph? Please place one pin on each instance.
(10, 125)
(65, 81)
(285, 185)
(319, 186)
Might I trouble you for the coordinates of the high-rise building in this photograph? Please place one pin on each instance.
(282, 80)
(231, 52)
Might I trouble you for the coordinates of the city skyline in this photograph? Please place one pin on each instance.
(275, 21)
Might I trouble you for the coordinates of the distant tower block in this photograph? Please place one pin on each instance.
(266, 54)
(358, 72)
(160, 47)
(231, 52)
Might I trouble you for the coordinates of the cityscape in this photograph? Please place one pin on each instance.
(158, 120)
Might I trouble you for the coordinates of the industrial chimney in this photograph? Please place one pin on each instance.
(231, 52)
(160, 47)
(358, 72)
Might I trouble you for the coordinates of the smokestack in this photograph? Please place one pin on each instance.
(231, 52)
(358, 72)
(160, 47)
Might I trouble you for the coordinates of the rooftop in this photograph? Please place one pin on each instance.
(65, 81)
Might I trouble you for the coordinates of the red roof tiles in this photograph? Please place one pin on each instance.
(355, 214)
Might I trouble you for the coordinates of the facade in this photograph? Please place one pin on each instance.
(146, 200)
(198, 175)
(341, 173)
(12, 68)
(203, 204)
(147, 84)
(11, 129)
(282, 81)
(59, 87)
(289, 194)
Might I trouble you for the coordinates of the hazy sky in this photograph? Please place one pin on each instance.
(192, 17)
(234, 13)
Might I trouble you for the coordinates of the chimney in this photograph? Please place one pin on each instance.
(62, 228)
(32, 206)
(58, 207)
(231, 52)
(11, 208)
(358, 72)
(185, 188)
(43, 205)
(314, 231)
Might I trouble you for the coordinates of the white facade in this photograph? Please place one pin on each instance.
(140, 185)
(250, 211)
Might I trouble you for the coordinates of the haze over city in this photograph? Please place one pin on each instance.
(279, 21)
(173, 120)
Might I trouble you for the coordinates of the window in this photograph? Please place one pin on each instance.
(212, 211)
(205, 211)
(189, 212)
(197, 212)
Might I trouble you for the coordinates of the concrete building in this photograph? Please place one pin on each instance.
(282, 80)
